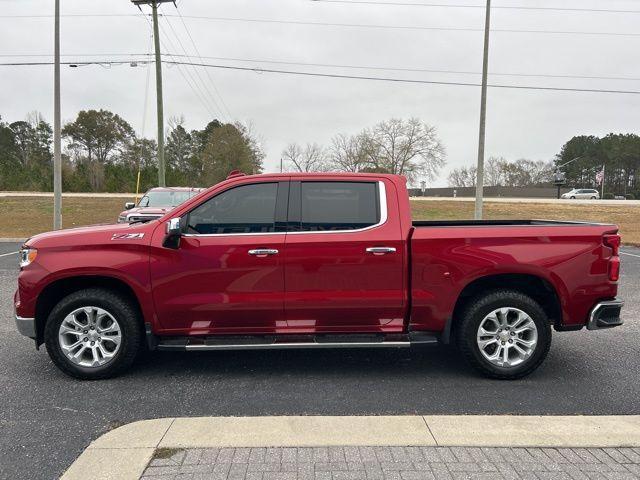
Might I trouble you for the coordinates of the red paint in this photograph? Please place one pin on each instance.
(324, 282)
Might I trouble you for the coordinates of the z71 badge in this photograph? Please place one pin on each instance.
(127, 236)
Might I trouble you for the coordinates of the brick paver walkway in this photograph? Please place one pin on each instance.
(396, 463)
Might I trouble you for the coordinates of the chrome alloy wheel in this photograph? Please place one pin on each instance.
(507, 337)
(90, 336)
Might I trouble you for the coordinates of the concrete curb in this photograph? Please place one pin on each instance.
(124, 453)
(12, 240)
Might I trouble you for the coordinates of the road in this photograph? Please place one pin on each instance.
(608, 203)
(47, 419)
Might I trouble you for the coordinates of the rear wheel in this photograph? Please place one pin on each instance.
(573, 198)
(93, 334)
(504, 334)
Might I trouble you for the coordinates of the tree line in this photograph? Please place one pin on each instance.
(102, 153)
(584, 157)
(499, 172)
(619, 154)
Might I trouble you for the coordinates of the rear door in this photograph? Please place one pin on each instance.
(344, 257)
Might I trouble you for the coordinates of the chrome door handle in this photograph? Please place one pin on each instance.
(381, 250)
(263, 252)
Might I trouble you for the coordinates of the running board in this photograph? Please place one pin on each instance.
(286, 342)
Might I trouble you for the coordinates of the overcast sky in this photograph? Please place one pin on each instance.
(286, 108)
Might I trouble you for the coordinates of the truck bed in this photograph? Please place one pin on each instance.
(494, 223)
(568, 258)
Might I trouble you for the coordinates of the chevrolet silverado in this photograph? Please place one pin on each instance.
(314, 261)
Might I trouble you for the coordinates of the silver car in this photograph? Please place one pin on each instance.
(582, 193)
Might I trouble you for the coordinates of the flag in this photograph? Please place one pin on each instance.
(600, 176)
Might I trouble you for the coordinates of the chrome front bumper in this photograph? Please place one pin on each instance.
(605, 315)
(26, 326)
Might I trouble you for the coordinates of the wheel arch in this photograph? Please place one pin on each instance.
(58, 289)
(538, 288)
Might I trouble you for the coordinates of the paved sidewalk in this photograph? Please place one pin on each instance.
(395, 463)
(369, 448)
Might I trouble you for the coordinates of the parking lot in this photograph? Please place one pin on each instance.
(47, 419)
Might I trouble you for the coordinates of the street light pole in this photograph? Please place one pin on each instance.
(57, 154)
(160, 106)
(483, 115)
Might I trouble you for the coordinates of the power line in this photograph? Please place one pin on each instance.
(504, 7)
(213, 84)
(305, 64)
(206, 93)
(403, 27)
(405, 80)
(415, 70)
(80, 15)
(356, 25)
(184, 76)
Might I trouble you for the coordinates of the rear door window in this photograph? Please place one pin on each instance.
(335, 206)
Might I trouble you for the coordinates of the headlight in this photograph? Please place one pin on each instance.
(27, 255)
(122, 219)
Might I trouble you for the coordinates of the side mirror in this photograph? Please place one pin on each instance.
(174, 232)
(129, 205)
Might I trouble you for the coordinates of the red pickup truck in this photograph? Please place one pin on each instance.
(314, 261)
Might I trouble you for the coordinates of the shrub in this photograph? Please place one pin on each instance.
(630, 196)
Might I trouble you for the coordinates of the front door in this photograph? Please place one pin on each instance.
(227, 276)
(344, 258)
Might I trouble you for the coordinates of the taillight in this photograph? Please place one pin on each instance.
(614, 269)
(613, 242)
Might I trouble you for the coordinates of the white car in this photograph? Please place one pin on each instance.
(582, 193)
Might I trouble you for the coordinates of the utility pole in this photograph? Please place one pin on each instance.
(57, 154)
(160, 108)
(483, 116)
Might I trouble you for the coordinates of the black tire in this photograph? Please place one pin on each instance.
(573, 198)
(475, 312)
(593, 198)
(120, 308)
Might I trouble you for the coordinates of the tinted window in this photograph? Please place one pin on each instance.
(245, 209)
(327, 206)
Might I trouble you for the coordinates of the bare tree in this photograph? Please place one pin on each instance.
(410, 148)
(494, 171)
(349, 153)
(463, 177)
(500, 172)
(311, 158)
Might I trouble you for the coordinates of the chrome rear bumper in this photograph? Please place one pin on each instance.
(605, 315)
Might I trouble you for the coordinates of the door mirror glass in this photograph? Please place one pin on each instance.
(129, 205)
(174, 232)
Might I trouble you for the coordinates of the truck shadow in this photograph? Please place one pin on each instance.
(438, 361)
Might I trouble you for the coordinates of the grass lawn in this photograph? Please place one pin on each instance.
(25, 216)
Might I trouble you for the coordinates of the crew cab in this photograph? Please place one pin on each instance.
(334, 260)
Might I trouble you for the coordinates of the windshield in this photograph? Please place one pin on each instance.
(165, 199)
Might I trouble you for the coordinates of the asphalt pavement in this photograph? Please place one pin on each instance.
(47, 419)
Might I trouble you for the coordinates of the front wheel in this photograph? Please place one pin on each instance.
(504, 334)
(93, 334)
